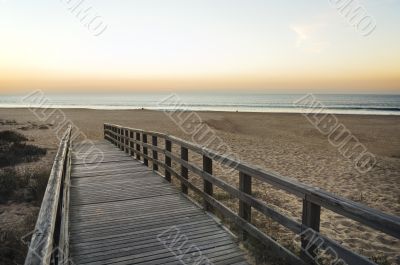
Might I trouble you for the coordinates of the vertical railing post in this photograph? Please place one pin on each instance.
(126, 141)
(155, 154)
(244, 208)
(168, 148)
(105, 131)
(114, 135)
(311, 219)
(207, 186)
(122, 139)
(184, 170)
(119, 138)
(131, 145)
(145, 160)
(138, 145)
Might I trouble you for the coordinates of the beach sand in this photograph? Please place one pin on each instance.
(287, 144)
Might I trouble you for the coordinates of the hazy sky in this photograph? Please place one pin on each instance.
(197, 44)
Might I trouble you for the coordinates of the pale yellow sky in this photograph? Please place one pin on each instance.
(206, 45)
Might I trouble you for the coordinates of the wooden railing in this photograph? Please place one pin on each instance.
(49, 242)
(136, 142)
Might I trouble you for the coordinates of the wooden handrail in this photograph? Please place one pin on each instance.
(313, 198)
(45, 247)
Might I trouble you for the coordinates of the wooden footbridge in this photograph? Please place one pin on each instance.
(105, 205)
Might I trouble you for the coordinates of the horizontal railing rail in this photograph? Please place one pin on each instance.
(48, 243)
(136, 142)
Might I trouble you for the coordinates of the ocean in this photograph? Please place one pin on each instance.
(241, 102)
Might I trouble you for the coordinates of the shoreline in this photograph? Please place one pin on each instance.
(366, 112)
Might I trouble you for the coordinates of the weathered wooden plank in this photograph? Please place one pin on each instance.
(184, 170)
(310, 218)
(133, 234)
(146, 238)
(83, 219)
(111, 168)
(64, 226)
(244, 208)
(155, 153)
(137, 145)
(41, 245)
(84, 235)
(88, 161)
(143, 244)
(108, 223)
(207, 186)
(145, 160)
(168, 147)
(158, 251)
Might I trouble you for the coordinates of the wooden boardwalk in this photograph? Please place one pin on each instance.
(115, 210)
(121, 212)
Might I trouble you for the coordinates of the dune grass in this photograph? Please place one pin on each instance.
(15, 150)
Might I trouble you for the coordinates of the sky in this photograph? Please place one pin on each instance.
(207, 45)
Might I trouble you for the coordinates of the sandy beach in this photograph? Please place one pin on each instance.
(287, 144)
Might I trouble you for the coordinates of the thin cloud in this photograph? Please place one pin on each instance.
(307, 37)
